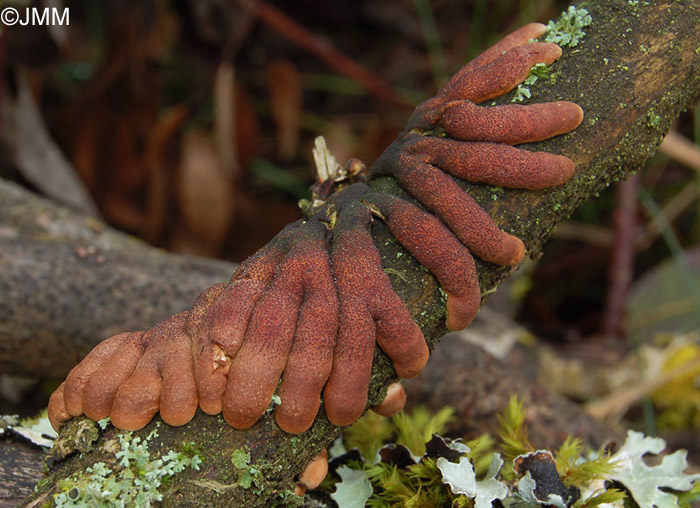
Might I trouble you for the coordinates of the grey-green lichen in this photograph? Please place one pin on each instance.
(568, 29)
(246, 473)
(134, 481)
(539, 71)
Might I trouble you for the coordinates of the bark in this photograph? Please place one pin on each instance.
(20, 468)
(69, 282)
(636, 69)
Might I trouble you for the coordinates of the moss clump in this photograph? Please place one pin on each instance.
(79, 435)
(421, 468)
(653, 120)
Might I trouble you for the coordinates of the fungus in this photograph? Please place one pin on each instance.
(308, 309)
(315, 471)
(132, 376)
(393, 403)
(278, 318)
(478, 147)
(370, 311)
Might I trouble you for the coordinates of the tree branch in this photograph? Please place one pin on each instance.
(636, 69)
(69, 282)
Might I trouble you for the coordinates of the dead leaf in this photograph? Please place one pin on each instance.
(341, 141)
(205, 195)
(35, 154)
(224, 118)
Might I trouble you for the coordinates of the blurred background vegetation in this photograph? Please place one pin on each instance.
(190, 123)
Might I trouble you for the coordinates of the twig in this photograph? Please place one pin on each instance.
(675, 206)
(682, 150)
(324, 50)
(615, 405)
(622, 262)
(600, 236)
(592, 234)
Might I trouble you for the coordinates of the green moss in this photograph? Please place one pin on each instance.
(78, 435)
(368, 434)
(580, 473)
(512, 430)
(415, 429)
(653, 120)
(475, 474)
(412, 430)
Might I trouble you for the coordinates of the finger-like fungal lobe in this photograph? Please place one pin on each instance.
(162, 380)
(130, 377)
(512, 123)
(303, 314)
(93, 383)
(219, 320)
(290, 335)
(370, 311)
(437, 249)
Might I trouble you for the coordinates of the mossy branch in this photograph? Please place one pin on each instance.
(636, 69)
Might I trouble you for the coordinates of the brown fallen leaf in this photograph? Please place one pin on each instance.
(205, 195)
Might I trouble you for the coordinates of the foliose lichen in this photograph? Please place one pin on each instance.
(539, 71)
(134, 481)
(568, 30)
